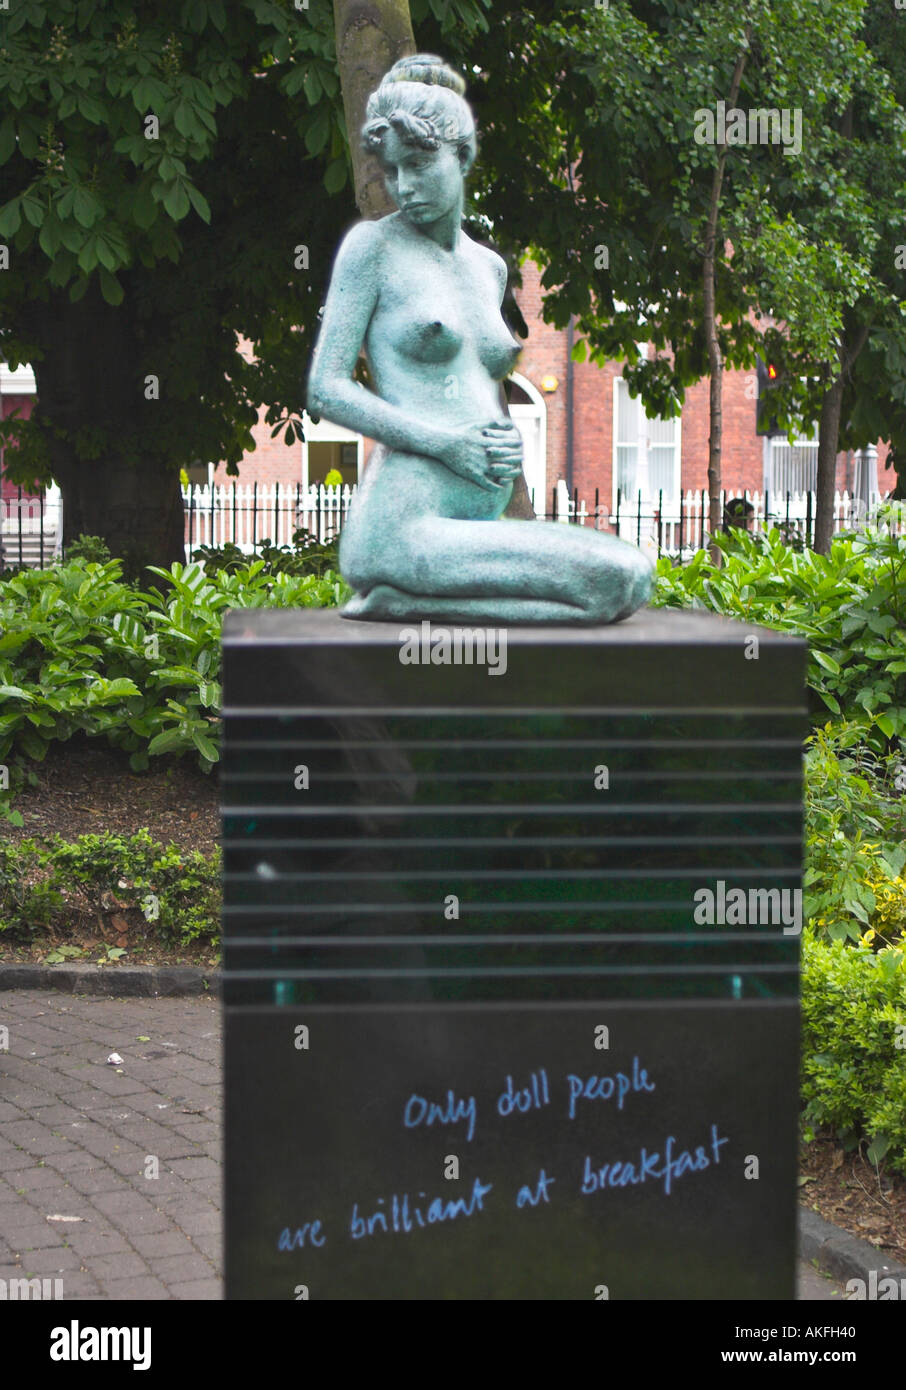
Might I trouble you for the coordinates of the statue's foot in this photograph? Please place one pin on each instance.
(354, 606)
(383, 601)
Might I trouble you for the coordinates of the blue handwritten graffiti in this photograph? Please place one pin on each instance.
(402, 1218)
(603, 1087)
(419, 1111)
(649, 1165)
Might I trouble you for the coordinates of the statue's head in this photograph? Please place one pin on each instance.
(421, 128)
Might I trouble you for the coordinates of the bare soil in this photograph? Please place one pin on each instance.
(84, 787)
(847, 1189)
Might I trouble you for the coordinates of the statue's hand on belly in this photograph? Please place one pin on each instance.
(488, 454)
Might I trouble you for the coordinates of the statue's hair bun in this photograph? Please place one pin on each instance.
(427, 68)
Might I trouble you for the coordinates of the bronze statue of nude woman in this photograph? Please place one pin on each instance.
(425, 535)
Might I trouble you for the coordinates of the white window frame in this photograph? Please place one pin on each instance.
(643, 447)
(325, 432)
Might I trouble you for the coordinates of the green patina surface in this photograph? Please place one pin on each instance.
(425, 536)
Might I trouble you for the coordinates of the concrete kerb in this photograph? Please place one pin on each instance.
(838, 1253)
(120, 981)
(832, 1250)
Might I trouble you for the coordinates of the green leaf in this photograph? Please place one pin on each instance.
(894, 859)
(335, 175)
(7, 139)
(144, 207)
(205, 746)
(91, 108)
(11, 217)
(878, 1148)
(111, 288)
(885, 724)
(166, 741)
(15, 692)
(185, 121)
(827, 662)
(85, 208)
(199, 202)
(293, 83)
(122, 687)
(317, 131)
(88, 255)
(49, 237)
(105, 253)
(176, 201)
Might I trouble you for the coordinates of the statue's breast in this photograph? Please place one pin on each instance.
(498, 352)
(428, 340)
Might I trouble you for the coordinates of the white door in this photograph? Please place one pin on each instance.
(527, 420)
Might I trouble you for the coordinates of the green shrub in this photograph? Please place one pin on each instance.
(854, 1044)
(855, 836)
(850, 605)
(60, 885)
(306, 555)
(91, 548)
(80, 649)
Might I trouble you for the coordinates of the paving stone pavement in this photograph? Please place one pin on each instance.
(76, 1135)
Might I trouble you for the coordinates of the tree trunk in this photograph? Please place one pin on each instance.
(520, 506)
(828, 437)
(138, 512)
(371, 35)
(89, 371)
(370, 38)
(709, 315)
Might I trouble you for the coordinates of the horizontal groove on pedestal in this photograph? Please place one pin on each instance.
(335, 890)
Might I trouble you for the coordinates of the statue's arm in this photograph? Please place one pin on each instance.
(332, 392)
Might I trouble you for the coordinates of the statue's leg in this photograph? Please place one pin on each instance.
(504, 572)
(386, 602)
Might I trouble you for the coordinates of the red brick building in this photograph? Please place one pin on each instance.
(609, 445)
(582, 432)
(612, 445)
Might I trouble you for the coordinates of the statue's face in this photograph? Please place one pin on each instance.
(424, 184)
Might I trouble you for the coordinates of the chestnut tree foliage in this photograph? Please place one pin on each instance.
(174, 176)
(177, 175)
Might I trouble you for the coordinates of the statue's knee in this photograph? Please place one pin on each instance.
(643, 582)
(624, 585)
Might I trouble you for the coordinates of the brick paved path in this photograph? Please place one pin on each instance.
(75, 1134)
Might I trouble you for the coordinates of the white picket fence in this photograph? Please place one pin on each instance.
(680, 531)
(31, 529)
(245, 514)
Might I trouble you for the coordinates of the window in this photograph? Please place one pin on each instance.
(791, 469)
(646, 452)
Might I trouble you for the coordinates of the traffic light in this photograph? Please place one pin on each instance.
(768, 374)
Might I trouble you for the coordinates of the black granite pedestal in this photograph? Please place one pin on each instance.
(511, 958)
